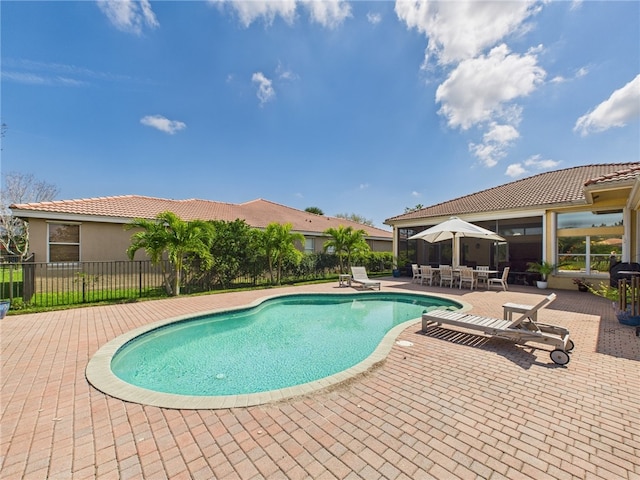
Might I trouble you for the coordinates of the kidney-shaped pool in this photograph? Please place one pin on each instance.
(280, 347)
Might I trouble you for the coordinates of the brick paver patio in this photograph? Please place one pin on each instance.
(452, 405)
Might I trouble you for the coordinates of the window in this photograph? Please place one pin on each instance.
(586, 240)
(309, 245)
(64, 242)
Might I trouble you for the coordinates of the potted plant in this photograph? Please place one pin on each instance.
(4, 308)
(400, 262)
(544, 268)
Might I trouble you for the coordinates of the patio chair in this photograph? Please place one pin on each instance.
(426, 274)
(482, 275)
(415, 270)
(446, 275)
(359, 275)
(502, 281)
(467, 276)
(521, 330)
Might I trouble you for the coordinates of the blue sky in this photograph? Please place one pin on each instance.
(352, 107)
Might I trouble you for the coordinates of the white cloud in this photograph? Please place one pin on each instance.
(466, 38)
(478, 89)
(328, 13)
(494, 143)
(374, 18)
(463, 29)
(582, 72)
(163, 124)
(501, 133)
(416, 194)
(535, 162)
(515, 170)
(619, 109)
(250, 11)
(285, 74)
(129, 15)
(363, 186)
(265, 91)
(37, 79)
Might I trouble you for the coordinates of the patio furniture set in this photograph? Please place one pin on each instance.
(459, 276)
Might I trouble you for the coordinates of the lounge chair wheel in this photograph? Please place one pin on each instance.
(570, 345)
(560, 357)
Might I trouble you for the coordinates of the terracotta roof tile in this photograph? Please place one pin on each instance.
(257, 213)
(544, 189)
(619, 175)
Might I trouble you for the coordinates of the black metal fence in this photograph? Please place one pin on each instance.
(29, 284)
(50, 284)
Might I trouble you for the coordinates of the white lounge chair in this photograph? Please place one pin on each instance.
(359, 275)
(521, 330)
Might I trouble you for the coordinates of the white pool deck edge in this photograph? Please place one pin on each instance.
(100, 375)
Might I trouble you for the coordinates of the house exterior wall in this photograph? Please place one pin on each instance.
(99, 242)
(102, 242)
(38, 239)
(606, 198)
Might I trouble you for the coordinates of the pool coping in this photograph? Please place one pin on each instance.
(99, 374)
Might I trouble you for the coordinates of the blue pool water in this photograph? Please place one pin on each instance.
(285, 341)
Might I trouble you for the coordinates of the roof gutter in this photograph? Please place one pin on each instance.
(68, 217)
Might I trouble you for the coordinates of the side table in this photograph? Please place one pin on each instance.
(344, 280)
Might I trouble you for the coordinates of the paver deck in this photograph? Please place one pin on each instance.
(451, 405)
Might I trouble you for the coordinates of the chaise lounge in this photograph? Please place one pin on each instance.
(359, 275)
(523, 329)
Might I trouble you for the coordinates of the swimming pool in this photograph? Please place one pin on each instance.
(279, 347)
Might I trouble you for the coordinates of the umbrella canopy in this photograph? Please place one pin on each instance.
(454, 229)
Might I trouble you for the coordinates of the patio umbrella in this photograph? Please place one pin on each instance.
(454, 229)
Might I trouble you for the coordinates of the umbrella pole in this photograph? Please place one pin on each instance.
(455, 252)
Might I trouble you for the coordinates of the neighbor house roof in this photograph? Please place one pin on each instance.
(256, 213)
(543, 190)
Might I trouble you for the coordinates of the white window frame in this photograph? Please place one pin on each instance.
(309, 245)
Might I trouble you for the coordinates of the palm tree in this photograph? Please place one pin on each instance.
(279, 245)
(346, 241)
(178, 238)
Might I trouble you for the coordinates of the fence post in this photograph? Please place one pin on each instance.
(11, 282)
(139, 279)
(28, 278)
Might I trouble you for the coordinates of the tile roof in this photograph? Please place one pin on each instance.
(257, 213)
(544, 189)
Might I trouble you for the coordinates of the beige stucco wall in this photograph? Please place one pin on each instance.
(98, 241)
(109, 241)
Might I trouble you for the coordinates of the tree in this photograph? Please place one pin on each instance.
(178, 238)
(279, 245)
(20, 188)
(315, 210)
(419, 206)
(356, 218)
(346, 241)
(231, 250)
